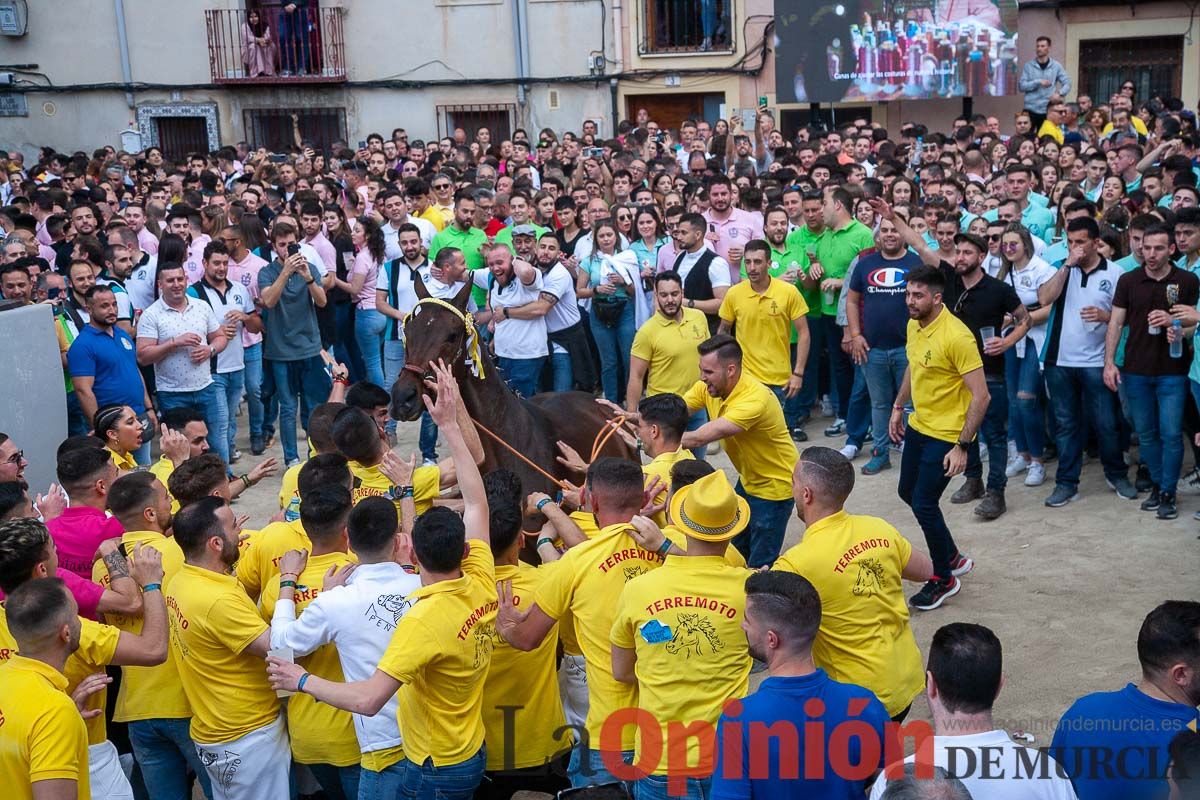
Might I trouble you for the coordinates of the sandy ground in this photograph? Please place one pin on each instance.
(1065, 589)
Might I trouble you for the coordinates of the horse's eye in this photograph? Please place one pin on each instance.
(451, 337)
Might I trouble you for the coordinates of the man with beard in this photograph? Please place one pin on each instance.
(118, 266)
(945, 383)
(570, 358)
(151, 699)
(520, 344)
(783, 618)
(219, 641)
(729, 228)
(103, 365)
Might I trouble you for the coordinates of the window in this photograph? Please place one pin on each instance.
(670, 26)
(496, 117)
(179, 136)
(1153, 64)
(272, 128)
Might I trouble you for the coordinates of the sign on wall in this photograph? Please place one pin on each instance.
(879, 50)
(13, 104)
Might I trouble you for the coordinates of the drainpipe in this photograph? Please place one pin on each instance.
(123, 45)
(526, 53)
(519, 45)
(619, 58)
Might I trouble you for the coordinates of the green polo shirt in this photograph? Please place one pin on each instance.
(504, 235)
(836, 250)
(798, 241)
(469, 242)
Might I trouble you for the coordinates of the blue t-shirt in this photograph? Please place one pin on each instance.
(881, 282)
(780, 702)
(112, 362)
(1113, 745)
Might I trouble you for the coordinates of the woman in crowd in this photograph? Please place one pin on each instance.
(121, 431)
(369, 324)
(613, 284)
(338, 232)
(258, 49)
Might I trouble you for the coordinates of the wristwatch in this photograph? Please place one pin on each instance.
(399, 492)
(962, 444)
(691, 303)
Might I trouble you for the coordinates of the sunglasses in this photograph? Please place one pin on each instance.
(623, 218)
(1011, 245)
(440, 186)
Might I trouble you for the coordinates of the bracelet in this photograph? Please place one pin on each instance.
(342, 381)
(310, 282)
(286, 584)
(544, 540)
(283, 575)
(150, 587)
(665, 547)
(898, 408)
(246, 480)
(541, 503)
(303, 680)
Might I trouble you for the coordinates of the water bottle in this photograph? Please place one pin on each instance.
(1177, 343)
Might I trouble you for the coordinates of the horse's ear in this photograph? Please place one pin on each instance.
(461, 299)
(419, 287)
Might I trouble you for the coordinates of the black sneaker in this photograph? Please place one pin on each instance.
(798, 435)
(934, 593)
(992, 505)
(1152, 502)
(258, 446)
(1143, 482)
(1166, 506)
(972, 489)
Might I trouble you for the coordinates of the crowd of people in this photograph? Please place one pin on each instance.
(987, 295)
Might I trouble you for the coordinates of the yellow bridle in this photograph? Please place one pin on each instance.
(471, 336)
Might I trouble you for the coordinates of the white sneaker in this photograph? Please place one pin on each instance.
(826, 406)
(1012, 449)
(1036, 475)
(849, 451)
(1016, 465)
(1191, 482)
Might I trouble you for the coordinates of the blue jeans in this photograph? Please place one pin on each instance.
(229, 394)
(293, 40)
(1157, 405)
(614, 345)
(993, 434)
(858, 415)
(253, 375)
(381, 785)
(563, 375)
(586, 767)
(208, 402)
(655, 787)
(922, 481)
(427, 782)
(695, 422)
(338, 783)
(76, 424)
(369, 327)
(884, 372)
(841, 368)
(1023, 375)
(165, 752)
(811, 388)
(708, 17)
(522, 374)
(346, 349)
(302, 385)
(1077, 394)
(762, 539)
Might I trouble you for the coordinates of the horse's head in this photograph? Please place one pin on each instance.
(431, 332)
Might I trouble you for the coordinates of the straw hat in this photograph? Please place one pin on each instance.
(710, 510)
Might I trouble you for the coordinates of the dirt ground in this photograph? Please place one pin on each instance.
(1065, 589)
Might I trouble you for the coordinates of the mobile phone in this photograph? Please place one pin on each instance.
(293, 249)
(362, 144)
(277, 158)
(749, 118)
(762, 101)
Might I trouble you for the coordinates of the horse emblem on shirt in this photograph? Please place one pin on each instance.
(694, 635)
(870, 578)
(633, 572)
(484, 636)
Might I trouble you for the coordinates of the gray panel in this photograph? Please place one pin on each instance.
(33, 404)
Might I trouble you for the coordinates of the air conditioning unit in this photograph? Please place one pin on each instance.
(596, 62)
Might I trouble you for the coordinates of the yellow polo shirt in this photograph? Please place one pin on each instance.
(684, 621)
(147, 692)
(764, 327)
(440, 652)
(669, 347)
(125, 463)
(42, 736)
(319, 733)
(97, 648)
(212, 623)
(528, 681)
(433, 215)
(162, 470)
(260, 560)
(588, 580)
(370, 482)
(938, 356)
(660, 467)
(1048, 128)
(855, 562)
(763, 452)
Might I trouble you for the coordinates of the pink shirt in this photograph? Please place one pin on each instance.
(87, 593)
(364, 264)
(147, 242)
(245, 272)
(77, 534)
(740, 228)
(43, 235)
(195, 258)
(47, 253)
(325, 250)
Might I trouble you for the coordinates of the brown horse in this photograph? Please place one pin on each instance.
(439, 330)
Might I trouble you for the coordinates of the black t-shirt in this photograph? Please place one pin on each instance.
(1139, 294)
(567, 246)
(984, 304)
(343, 247)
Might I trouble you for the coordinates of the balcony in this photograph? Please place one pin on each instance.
(304, 46)
(670, 27)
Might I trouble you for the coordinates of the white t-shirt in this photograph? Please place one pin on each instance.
(994, 767)
(391, 236)
(140, 283)
(237, 298)
(1073, 342)
(565, 312)
(515, 338)
(718, 270)
(1026, 283)
(160, 322)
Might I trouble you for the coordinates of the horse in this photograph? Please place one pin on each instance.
(442, 329)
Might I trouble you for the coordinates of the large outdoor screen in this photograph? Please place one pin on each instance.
(877, 50)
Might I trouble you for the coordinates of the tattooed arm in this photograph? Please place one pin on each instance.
(121, 593)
